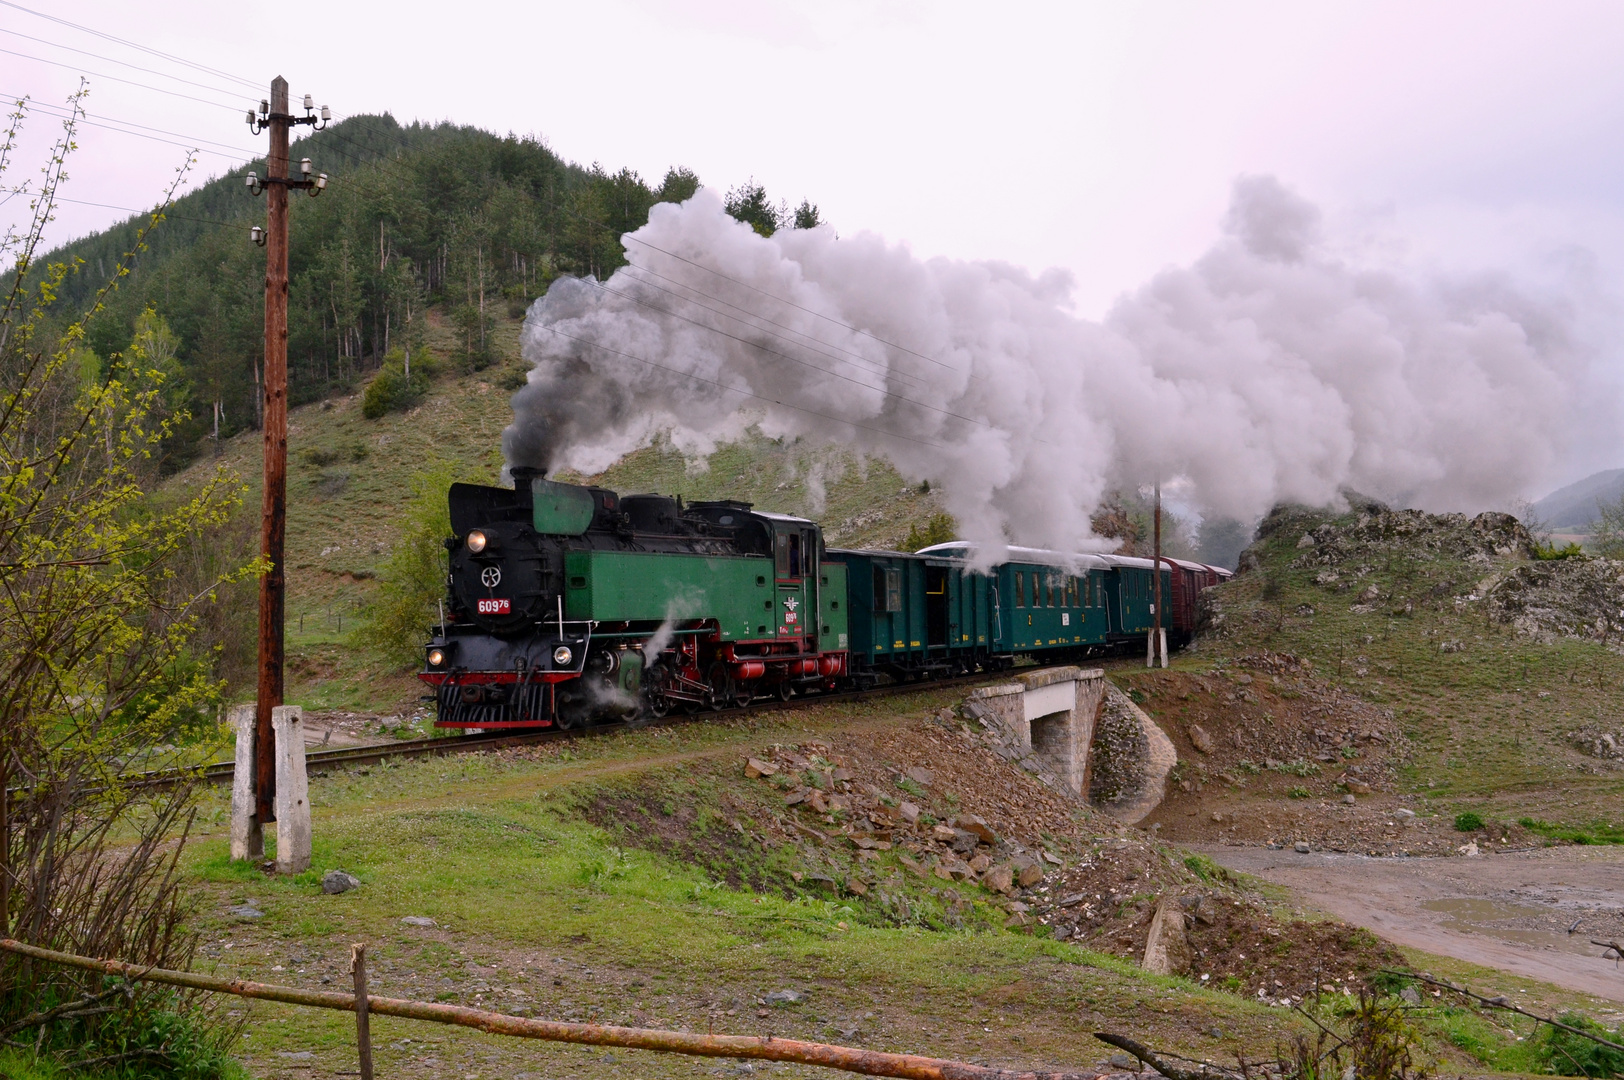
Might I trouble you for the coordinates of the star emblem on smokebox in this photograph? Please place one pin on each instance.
(491, 577)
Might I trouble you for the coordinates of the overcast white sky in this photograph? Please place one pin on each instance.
(1099, 137)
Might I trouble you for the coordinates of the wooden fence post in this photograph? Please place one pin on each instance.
(363, 1023)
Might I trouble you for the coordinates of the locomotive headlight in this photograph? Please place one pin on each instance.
(476, 541)
(436, 657)
(562, 656)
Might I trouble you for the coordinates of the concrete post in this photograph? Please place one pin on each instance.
(247, 835)
(292, 791)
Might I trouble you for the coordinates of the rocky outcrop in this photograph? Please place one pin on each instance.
(1345, 542)
(1575, 597)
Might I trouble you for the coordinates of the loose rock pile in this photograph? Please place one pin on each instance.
(901, 809)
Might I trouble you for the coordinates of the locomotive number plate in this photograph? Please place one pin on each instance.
(496, 607)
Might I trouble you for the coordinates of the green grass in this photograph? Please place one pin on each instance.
(1500, 1043)
(1595, 833)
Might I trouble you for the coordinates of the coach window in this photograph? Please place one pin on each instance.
(1037, 591)
(1020, 589)
(893, 589)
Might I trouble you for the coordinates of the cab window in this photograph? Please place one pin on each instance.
(787, 555)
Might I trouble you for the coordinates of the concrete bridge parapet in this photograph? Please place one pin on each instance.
(1049, 714)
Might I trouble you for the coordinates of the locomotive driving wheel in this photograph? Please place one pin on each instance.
(726, 693)
(655, 680)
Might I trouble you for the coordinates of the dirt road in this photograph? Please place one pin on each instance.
(1508, 911)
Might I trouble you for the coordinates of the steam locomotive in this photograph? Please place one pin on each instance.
(570, 605)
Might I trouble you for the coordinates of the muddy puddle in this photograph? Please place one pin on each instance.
(1512, 922)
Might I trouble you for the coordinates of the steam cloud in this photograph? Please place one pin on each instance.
(1268, 370)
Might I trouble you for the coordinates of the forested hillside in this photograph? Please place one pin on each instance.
(417, 216)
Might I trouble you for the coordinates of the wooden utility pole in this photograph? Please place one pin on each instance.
(273, 528)
(275, 118)
(1158, 643)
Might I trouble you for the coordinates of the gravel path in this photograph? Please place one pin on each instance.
(1508, 911)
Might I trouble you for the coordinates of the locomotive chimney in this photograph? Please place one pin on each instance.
(522, 477)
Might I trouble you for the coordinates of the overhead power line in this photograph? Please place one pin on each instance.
(864, 363)
(190, 146)
(114, 78)
(129, 209)
(115, 60)
(252, 84)
(192, 140)
(793, 304)
(773, 296)
(784, 356)
(743, 393)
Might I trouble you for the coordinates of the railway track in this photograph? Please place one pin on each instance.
(350, 756)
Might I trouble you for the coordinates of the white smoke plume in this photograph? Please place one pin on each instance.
(684, 605)
(1268, 370)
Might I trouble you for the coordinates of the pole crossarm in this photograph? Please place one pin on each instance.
(760, 1047)
(287, 182)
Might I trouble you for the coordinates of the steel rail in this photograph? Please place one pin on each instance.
(222, 771)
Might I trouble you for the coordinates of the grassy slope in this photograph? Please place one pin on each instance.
(526, 893)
